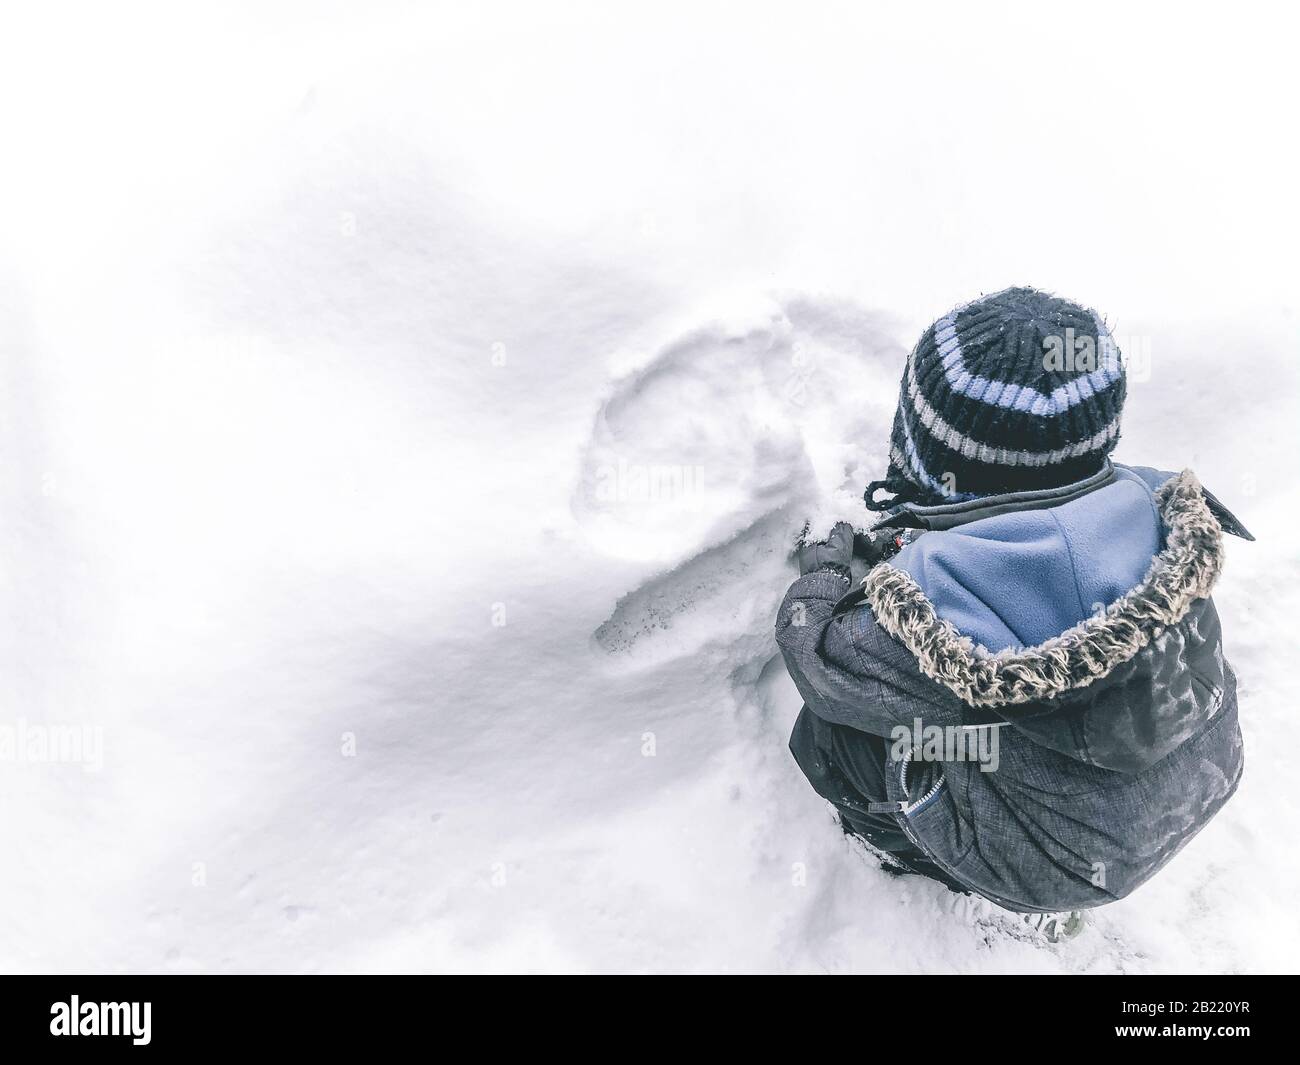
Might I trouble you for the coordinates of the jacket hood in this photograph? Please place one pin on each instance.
(1026, 605)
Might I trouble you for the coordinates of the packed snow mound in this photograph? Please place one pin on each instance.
(707, 461)
(726, 426)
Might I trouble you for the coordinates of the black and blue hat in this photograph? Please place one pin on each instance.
(1016, 391)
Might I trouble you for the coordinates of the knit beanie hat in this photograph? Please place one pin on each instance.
(1016, 391)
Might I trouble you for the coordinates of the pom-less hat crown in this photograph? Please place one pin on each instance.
(1016, 391)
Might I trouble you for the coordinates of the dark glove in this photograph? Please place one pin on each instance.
(833, 553)
(880, 545)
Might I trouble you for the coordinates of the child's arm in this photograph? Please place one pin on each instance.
(848, 670)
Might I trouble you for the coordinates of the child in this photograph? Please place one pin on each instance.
(1029, 701)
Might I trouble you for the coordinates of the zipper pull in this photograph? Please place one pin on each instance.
(886, 808)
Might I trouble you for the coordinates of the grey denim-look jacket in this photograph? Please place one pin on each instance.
(1117, 731)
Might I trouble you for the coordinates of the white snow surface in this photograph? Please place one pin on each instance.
(407, 412)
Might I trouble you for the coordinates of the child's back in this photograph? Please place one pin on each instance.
(1030, 700)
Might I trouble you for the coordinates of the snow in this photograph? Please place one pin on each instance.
(407, 412)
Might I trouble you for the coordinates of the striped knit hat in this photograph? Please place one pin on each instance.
(1019, 390)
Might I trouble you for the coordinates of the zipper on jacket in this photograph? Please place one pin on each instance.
(907, 807)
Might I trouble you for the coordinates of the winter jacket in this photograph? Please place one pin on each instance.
(1078, 624)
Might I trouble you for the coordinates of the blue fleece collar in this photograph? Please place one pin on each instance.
(1018, 577)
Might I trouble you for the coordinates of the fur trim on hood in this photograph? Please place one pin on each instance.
(1184, 571)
